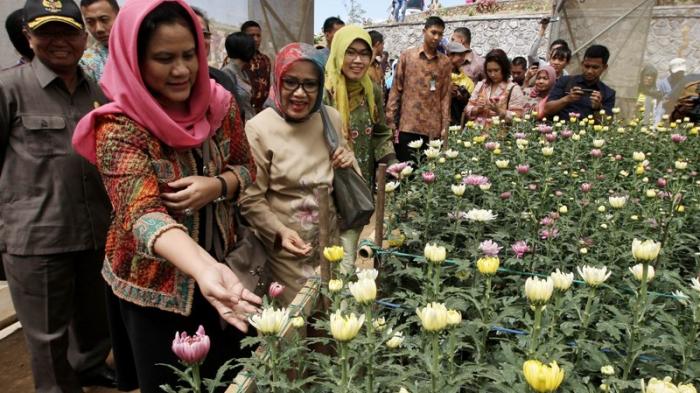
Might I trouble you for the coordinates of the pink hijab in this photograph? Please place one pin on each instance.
(552, 74)
(123, 85)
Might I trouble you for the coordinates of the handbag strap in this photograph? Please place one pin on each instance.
(211, 243)
(329, 131)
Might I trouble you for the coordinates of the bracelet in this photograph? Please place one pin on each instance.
(224, 190)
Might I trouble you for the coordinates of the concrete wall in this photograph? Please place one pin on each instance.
(674, 32)
(514, 34)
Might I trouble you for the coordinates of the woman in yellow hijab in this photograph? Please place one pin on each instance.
(350, 90)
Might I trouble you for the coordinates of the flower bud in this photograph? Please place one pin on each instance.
(191, 350)
(435, 254)
(433, 317)
(395, 341)
(562, 281)
(297, 322)
(543, 378)
(607, 370)
(454, 317)
(275, 290)
(334, 253)
(488, 266)
(345, 328)
(335, 285)
(637, 271)
(364, 291)
(538, 291)
(270, 321)
(647, 250)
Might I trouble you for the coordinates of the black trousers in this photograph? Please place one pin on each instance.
(59, 299)
(142, 339)
(405, 153)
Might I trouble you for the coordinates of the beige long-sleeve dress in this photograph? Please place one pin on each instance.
(292, 161)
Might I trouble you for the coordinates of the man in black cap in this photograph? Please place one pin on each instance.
(54, 211)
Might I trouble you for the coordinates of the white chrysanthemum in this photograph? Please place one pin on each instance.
(594, 276)
(617, 202)
(458, 189)
(391, 186)
(562, 281)
(538, 291)
(480, 215)
(367, 274)
(417, 144)
(647, 250)
(364, 291)
(270, 321)
(637, 271)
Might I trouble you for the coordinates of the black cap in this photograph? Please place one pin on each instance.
(39, 12)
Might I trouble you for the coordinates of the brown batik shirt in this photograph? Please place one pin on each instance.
(258, 71)
(419, 101)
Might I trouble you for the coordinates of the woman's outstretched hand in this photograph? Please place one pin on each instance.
(222, 288)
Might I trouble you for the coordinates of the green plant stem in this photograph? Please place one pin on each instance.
(537, 326)
(344, 367)
(451, 354)
(370, 358)
(272, 344)
(196, 379)
(428, 201)
(487, 318)
(584, 323)
(435, 368)
(435, 272)
(638, 316)
(692, 337)
(457, 220)
(558, 298)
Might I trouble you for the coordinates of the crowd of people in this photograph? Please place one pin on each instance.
(127, 169)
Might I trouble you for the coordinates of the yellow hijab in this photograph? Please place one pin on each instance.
(347, 95)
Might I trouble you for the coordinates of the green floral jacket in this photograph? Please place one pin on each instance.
(371, 142)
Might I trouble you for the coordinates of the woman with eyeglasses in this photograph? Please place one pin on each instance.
(293, 160)
(350, 90)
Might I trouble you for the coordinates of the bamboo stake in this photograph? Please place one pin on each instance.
(379, 207)
(323, 236)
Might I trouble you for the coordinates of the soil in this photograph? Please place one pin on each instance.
(16, 375)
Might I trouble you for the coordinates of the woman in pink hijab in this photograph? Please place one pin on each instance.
(173, 156)
(536, 96)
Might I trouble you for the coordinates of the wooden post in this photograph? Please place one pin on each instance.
(323, 236)
(379, 207)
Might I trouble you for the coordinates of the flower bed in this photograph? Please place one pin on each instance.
(478, 293)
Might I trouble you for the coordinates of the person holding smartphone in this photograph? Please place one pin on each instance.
(584, 94)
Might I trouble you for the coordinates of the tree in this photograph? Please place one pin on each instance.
(356, 14)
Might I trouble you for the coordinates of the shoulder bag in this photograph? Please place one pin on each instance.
(353, 197)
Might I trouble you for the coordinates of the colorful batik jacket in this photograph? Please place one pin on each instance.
(136, 168)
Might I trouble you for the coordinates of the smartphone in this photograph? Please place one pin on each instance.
(587, 91)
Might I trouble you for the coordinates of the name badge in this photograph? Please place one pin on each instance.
(433, 85)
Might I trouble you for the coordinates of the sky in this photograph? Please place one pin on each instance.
(376, 9)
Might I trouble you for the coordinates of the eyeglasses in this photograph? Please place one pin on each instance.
(292, 84)
(353, 54)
